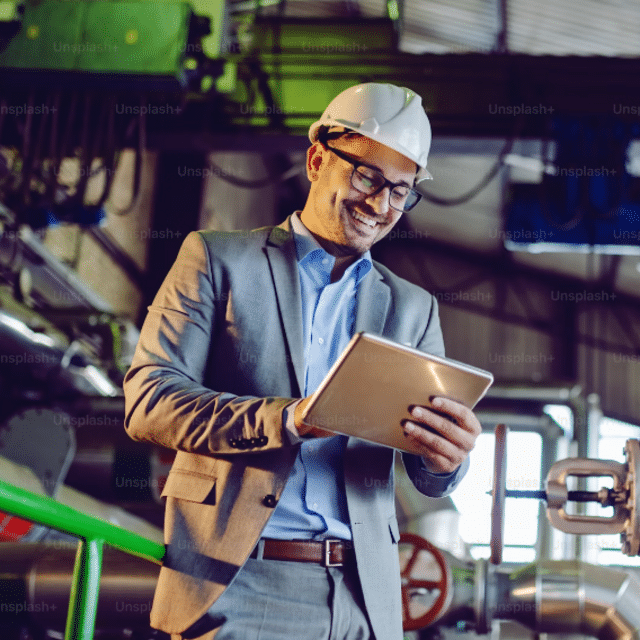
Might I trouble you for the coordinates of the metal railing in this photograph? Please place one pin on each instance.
(93, 534)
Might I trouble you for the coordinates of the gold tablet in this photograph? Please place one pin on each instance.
(371, 388)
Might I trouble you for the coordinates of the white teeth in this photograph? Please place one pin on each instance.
(361, 218)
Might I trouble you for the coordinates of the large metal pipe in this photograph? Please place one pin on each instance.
(554, 596)
(35, 584)
(569, 597)
(551, 596)
(24, 477)
(29, 342)
(54, 282)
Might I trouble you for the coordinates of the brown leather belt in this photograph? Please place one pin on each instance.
(328, 553)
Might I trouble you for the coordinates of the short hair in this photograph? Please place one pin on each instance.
(326, 133)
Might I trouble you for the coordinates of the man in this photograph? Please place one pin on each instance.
(261, 506)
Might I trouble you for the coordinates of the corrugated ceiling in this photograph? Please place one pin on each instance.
(552, 27)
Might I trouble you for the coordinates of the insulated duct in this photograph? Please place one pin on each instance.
(31, 343)
(551, 596)
(35, 585)
(570, 597)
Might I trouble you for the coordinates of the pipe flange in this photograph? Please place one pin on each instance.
(631, 535)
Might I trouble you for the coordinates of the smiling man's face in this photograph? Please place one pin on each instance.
(343, 220)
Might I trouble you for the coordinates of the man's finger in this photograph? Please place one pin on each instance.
(431, 444)
(462, 415)
(432, 422)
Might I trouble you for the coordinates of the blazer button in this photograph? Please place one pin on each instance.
(269, 501)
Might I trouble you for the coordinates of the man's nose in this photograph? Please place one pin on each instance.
(379, 202)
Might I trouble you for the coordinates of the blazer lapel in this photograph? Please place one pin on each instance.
(373, 303)
(374, 297)
(281, 254)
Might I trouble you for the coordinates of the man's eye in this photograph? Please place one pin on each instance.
(399, 194)
(366, 182)
(368, 177)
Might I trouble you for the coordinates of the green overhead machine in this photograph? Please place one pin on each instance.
(120, 38)
(278, 75)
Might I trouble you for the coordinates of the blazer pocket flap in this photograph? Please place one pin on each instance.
(186, 486)
(394, 529)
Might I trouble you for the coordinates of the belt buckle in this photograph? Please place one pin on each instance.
(327, 553)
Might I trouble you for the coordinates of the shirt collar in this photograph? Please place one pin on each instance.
(308, 249)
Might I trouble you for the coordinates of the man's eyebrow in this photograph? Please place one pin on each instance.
(402, 183)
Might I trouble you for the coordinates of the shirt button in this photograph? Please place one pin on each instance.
(315, 505)
(321, 340)
(269, 501)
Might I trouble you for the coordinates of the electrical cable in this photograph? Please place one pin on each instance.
(255, 184)
(3, 112)
(486, 180)
(545, 199)
(474, 191)
(25, 172)
(64, 143)
(36, 154)
(51, 179)
(85, 158)
(142, 145)
(109, 161)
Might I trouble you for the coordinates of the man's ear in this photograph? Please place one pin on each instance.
(314, 161)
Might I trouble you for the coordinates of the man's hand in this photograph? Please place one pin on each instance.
(444, 451)
(305, 430)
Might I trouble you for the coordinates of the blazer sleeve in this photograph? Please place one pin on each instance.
(435, 485)
(165, 400)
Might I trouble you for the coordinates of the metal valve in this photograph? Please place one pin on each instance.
(557, 496)
(624, 496)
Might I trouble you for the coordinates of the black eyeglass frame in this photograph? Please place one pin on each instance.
(358, 163)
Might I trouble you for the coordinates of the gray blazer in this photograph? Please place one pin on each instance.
(219, 358)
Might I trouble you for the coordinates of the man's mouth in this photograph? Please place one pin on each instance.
(360, 217)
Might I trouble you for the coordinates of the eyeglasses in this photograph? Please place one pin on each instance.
(370, 181)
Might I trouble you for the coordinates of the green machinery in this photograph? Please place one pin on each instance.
(139, 39)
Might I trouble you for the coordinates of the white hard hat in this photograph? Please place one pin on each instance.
(388, 114)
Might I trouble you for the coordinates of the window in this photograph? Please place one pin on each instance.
(524, 457)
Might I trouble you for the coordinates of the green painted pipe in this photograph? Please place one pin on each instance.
(85, 588)
(51, 513)
(93, 534)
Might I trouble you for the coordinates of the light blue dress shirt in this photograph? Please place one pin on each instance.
(313, 503)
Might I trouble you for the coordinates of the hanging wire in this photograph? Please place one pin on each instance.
(109, 161)
(474, 191)
(255, 184)
(142, 145)
(25, 172)
(485, 181)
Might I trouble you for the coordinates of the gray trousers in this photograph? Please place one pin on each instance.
(282, 600)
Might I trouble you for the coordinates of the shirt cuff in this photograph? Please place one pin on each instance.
(449, 474)
(288, 421)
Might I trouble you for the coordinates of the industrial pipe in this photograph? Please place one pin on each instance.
(548, 596)
(570, 597)
(35, 586)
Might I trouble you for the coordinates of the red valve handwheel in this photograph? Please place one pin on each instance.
(411, 583)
